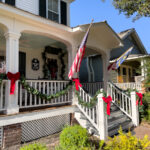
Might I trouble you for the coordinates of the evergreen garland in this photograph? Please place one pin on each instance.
(93, 101)
(33, 91)
(2, 76)
(46, 70)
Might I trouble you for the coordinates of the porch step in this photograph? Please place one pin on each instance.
(115, 120)
(126, 125)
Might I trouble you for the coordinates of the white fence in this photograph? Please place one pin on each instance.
(131, 85)
(92, 87)
(26, 100)
(2, 95)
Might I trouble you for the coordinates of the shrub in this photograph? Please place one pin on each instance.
(127, 142)
(73, 138)
(35, 146)
(146, 107)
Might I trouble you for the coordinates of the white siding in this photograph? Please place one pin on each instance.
(28, 5)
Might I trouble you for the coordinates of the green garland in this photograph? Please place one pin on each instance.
(33, 91)
(93, 101)
(1, 78)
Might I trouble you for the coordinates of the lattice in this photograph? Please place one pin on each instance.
(32, 130)
(1, 136)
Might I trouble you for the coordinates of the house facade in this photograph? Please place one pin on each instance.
(37, 41)
(129, 73)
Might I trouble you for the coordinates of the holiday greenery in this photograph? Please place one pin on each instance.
(34, 91)
(92, 102)
(60, 54)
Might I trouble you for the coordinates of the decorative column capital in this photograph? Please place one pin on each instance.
(12, 35)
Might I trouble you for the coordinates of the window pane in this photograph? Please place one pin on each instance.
(55, 6)
(50, 5)
(55, 17)
(50, 15)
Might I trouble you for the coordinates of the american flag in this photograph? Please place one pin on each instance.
(115, 65)
(79, 56)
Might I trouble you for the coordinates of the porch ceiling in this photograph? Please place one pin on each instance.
(35, 41)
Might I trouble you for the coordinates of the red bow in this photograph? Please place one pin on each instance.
(140, 98)
(107, 100)
(77, 83)
(13, 78)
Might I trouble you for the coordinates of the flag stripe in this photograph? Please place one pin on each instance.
(79, 56)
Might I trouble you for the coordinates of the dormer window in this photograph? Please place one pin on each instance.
(53, 10)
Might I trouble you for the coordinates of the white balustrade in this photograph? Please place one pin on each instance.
(130, 85)
(90, 113)
(2, 95)
(27, 100)
(120, 99)
(92, 87)
(96, 114)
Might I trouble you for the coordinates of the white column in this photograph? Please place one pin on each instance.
(105, 59)
(143, 68)
(102, 119)
(135, 112)
(73, 50)
(12, 63)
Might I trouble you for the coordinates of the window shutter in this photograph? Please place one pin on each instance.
(63, 13)
(10, 2)
(42, 8)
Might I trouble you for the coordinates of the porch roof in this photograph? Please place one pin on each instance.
(101, 35)
(133, 57)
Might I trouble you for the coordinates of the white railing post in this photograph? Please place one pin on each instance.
(102, 118)
(135, 112)
(11, 101)
(74, 97)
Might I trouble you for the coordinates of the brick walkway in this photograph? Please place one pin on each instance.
(142, 130)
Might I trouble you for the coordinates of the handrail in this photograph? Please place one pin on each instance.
(90, 113)
(120, 99)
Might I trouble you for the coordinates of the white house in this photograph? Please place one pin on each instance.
(36, 40)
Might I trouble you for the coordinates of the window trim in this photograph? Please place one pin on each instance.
(59, 16)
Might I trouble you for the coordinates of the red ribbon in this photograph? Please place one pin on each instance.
(108, 100)
(140, 98)
(13, 78)
(77, 83)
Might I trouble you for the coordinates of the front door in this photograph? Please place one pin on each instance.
(22, 63)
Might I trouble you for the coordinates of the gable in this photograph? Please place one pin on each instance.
(128, 42)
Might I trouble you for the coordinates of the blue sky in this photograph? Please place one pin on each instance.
(82, 12)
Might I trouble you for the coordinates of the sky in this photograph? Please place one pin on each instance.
(83, 11)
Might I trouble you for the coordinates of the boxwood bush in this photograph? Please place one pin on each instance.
(73, 137)
(35, 146)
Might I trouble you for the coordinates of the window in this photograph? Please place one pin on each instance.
(119, 71)
(124, 71)
(53, 10)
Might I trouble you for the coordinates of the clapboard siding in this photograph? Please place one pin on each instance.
(128, 42)
(28, 5)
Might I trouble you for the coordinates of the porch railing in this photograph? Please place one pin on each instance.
(131, 85)
(2, 95)
(92, 87)
(120, 99)
(27, 100)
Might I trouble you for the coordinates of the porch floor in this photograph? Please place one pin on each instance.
(37, 109)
